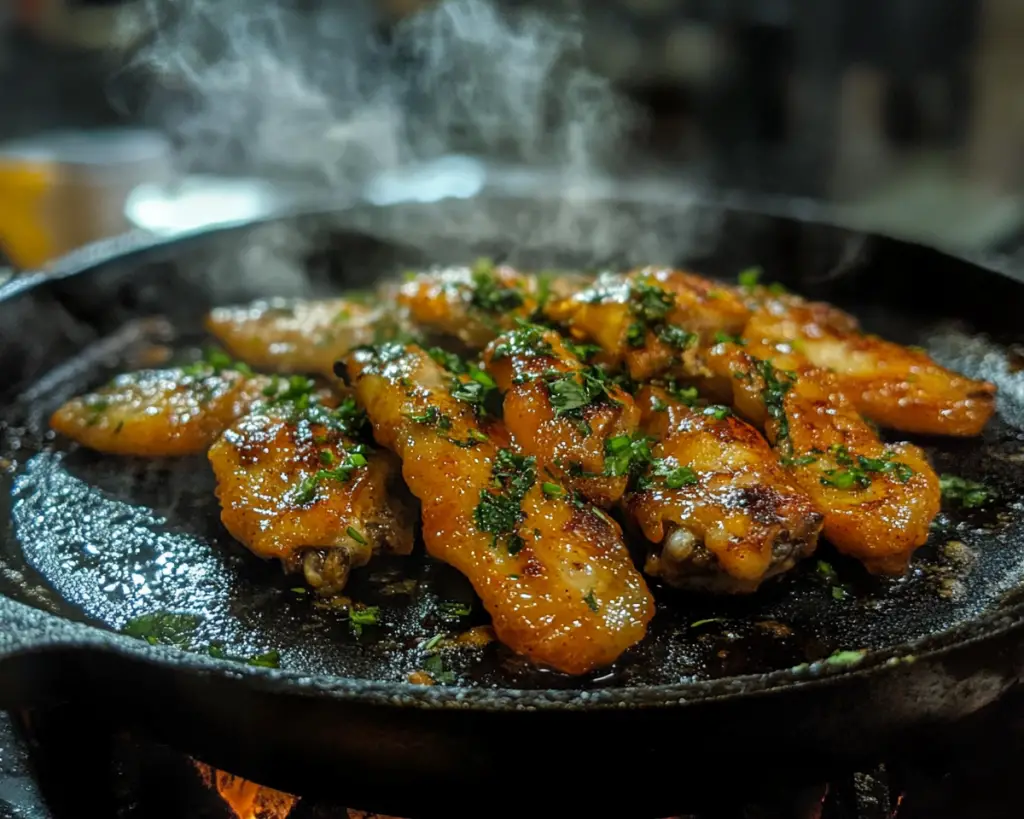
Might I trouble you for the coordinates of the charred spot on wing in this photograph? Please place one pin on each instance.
(762, 503)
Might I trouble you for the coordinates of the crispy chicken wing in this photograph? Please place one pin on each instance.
(293, 336)
(160, 412)
(651, 320)
(552, 571)
(472, 304)
(296, 486)
(570, 417)
(878, 499)
(891, 384)
(722, 513)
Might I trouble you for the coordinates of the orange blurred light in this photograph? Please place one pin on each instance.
(247, 799)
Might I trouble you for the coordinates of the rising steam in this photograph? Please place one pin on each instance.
(320, 99)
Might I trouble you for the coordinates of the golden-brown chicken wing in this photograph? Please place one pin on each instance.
(878, 499)
(891, 384)
(552, 571)
(651, 320)
(722, 513)
(570, 417)
(296, 486)
(160, 412)
(293, 336)
(472, 304)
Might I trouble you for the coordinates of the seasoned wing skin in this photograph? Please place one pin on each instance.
(878, 499)
(891, 384)
(293, 336)
(565, 414)
(307, 494)
(722, 514)
(471, 304)
(156, 413)
(651, 320)
(553, 573)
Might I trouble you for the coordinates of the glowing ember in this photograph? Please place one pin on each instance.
(247, 799)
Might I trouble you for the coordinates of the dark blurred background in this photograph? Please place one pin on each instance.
(900, 115)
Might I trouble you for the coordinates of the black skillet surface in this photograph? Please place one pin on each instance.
(89, 542)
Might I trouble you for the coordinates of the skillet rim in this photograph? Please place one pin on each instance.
(53, 633)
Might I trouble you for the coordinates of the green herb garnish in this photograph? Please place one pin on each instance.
(434, 666)
(965, 493)
(591, 601)
(676, 337)
(499, 510)
(721, 337)
(453, 610)
(858, 471)
(625, 453)
(164, 628)
(490, 294)
(717, 411)
(750, 277)
(673, 476)
(552, 490)
(355, 458)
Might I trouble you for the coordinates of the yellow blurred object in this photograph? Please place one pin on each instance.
(62, 190)
(24, 235)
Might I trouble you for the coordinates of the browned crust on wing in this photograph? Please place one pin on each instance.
(740, 522)
(570, 448)
(293, 336)
(570, 597)
(880, 524)
(893, 385)
(264, 464)
(156, 413)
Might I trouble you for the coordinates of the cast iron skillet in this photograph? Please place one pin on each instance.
(747, 696)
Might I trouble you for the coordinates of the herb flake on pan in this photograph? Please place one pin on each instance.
(363, 616)
(499, 510)
(965, 493)
(453, 610)
(164, 628)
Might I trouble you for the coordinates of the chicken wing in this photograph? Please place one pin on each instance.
(472, 304)
(569, 416)
(157, 413)
(722, 513)
(893, 385)
(293, 336)
(295, 485)
(552, 571)
(878, 499)
(651, 320)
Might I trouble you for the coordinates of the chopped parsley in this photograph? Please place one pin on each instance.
(591, 601)
(717, 411)
(750, 277)
(356, 535)
(453, 610)
(573, 391)
(777, 383)
(215, 362)
(676, 337)
(658, 405)
(682, 394)
(857, 471)
(636, 334)
(365, 616)
(355, 458)
(432, 417)
(673, 476)
(489, 293)
(584, 352)
(965, 493)
(434, 666)
(450, 361)
(526, 340)
(552, 490)
(164, 628)
(721, 337)
(649, 302)
(626, 453)
(476, 389)
(499, 511)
